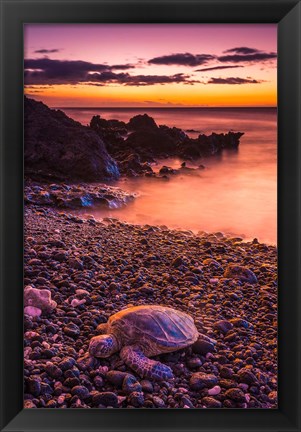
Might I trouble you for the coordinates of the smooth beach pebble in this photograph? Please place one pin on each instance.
(214, 391)
(200, 380)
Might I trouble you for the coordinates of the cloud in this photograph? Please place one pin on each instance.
(47, 51)
(233, 81)
(218, 67)
(182, 59)
(242, 50)
(243, 55)
(48, 71)
(138, 80)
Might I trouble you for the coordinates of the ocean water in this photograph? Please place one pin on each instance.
(235, 193)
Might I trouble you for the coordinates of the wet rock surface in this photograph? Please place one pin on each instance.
(235, 367)
(75, 196)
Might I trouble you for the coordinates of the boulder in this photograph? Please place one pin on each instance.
(57, 146)
(142, 122)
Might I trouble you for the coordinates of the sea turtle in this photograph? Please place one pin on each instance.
(140, 332)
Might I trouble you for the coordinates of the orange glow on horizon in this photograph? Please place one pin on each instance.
(68, 96)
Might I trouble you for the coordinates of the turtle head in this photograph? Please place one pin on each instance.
(103, 345)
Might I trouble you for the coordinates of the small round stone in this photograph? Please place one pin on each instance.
(34, 386)
(202, 347)
(117, 377)
(136, 399)
(67, 363)
(71, 330)
(235, 394)
(130, 384)
(210, 402)
(53, 370)
(223, 326)
(194, 363)
(246, 376)
(200, 380)
(158, 402)
(147, 386)
(81, 391)
(105, 399)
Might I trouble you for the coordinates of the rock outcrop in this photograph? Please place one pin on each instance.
(58, 147)
(141, 140)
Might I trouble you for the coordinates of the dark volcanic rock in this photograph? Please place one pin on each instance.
(223, 326)
(71, 330)
(202, 346)
(34, 386)
(235, 394)
(116, 377)
(105, 398)
(151, 143)
(200, 380)
(56, 145)
(239, 272)
(141, 140)
(210, 402)
(141, 122)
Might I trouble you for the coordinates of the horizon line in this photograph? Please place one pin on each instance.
(166, 107)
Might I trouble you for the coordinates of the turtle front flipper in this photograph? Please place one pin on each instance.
(145, 367)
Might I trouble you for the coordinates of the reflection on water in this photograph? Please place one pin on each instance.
(237, 192)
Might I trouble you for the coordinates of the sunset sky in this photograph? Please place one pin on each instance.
(151, 65)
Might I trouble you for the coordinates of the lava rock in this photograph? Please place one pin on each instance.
(239, 272)
(81, 391)
(34, 386)
(200, 380)
(136, 399)
(72, 330)
(235, 394)
(202, 346)
(53, 370)
(223, 326)
(130, 384)
(54, 146)
(210, 402)
(105, 398)
(117, 377)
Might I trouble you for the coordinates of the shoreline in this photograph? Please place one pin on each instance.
(86, 199)
(93, 269)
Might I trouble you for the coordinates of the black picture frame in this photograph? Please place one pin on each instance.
(14, 13)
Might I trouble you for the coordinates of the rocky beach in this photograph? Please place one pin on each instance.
(95, 268)
(80, 270)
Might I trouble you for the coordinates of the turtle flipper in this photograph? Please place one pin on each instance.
(145, 367)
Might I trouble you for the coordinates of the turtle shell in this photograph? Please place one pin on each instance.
(161, 326)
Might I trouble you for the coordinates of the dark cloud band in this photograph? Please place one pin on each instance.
(49, 72)
(249, 58)
(217, 68)
(233, 81)
(47, 51)
(242, 50)
(182, 59)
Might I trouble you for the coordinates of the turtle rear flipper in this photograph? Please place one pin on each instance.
(145, 367)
